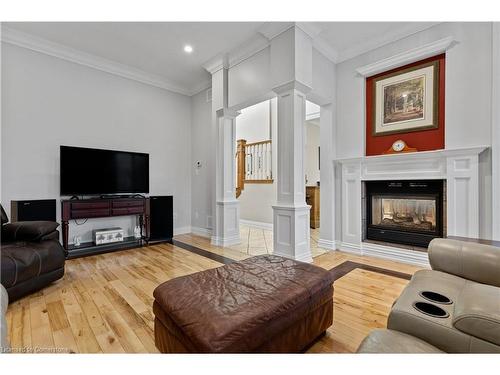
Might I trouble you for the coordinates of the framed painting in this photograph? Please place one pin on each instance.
(406, 100)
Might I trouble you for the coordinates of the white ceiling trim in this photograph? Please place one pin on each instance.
(202, 86)
(322, 46)
(47, 47)
(246, 50)
(216, 63)
(408, 57)
(271, 30)
(374, 43)
(237, 55)
(310, 28)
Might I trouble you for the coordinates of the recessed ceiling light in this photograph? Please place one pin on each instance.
(188, 48)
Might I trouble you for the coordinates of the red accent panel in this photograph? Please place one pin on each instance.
(425, 140)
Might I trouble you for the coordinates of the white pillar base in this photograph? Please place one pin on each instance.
(227, 228)
(292, 232)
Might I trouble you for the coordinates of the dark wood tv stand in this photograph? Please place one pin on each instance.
(81, 209)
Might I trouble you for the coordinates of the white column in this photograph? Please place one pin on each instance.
(327, 230)
(291, 214)
(462, 195)
(227, 231)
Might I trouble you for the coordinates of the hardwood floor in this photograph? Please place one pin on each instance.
(104, 302)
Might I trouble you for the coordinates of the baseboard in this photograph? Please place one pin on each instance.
(203, 232)
(327, 244)
(257, 224)
(306, 259)
(224, 242)
(417, 258)
(350, 248)
(182, 230)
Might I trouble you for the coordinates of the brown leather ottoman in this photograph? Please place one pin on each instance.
(264, 304)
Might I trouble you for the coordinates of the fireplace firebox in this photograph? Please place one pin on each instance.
(404, 212)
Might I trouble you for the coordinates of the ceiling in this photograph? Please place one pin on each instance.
(156, 48)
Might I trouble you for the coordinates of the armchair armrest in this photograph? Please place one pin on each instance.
(28, 230)
(472, 261)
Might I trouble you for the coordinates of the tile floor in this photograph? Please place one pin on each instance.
(255, 241)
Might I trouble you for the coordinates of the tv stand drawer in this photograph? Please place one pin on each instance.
(127, 211)
(85, 214)
(89, 205)
(129, 203)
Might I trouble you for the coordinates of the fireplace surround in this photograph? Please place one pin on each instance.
(459, 168)
(404, 212)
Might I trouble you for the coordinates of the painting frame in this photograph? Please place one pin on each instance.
(410, 125)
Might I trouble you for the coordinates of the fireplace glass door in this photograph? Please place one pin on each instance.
(404, 212)
(416, 214)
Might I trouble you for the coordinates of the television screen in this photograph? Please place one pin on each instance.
(91, 171)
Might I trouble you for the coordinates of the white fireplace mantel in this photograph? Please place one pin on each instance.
(460, 169)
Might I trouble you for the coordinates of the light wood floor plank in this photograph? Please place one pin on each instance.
(41, 330)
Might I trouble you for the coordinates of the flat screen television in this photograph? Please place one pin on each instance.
(89, 171)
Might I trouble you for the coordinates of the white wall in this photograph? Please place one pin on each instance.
(254, 123)
(47, 102)
(467, 99)
(202, 151)
(258, 123)
(312, 155)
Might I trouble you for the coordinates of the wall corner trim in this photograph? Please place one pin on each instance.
(408, 57)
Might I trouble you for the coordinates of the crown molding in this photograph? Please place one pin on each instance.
(318, 42)
(408, 57)
(271, 30)
(323, 47)
(34, 43)
(374, 43)
(201, 87)
(216, 63)
(310, 28)
(247, 49)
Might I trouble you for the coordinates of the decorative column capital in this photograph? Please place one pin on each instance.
(227, 113)
(292, 85)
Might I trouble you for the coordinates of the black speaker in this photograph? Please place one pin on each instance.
(40, 209)
(161, 218)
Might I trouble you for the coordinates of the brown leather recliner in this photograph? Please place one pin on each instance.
(31, 256)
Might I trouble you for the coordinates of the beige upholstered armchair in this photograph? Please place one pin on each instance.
(454, 307)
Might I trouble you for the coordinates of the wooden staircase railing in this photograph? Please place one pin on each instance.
(240, 165)
(254, 164)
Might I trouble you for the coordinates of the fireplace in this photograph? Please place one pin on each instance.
(404, 212)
